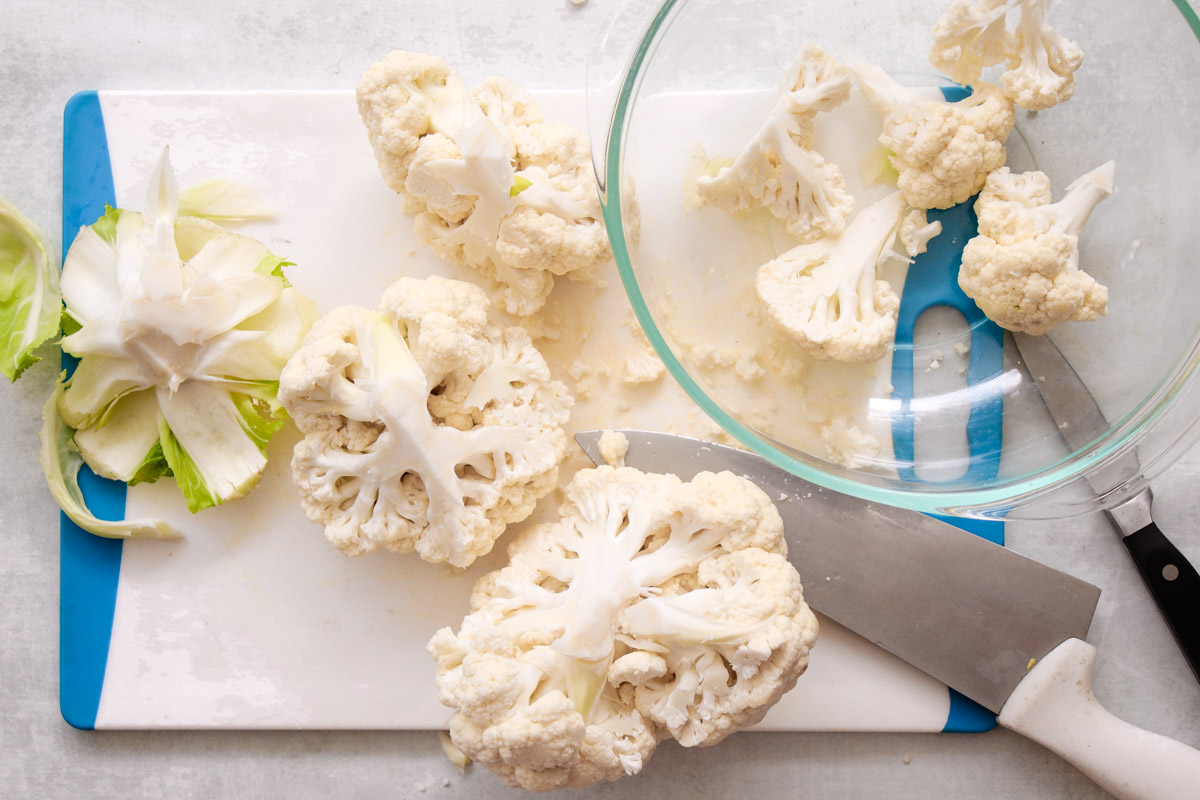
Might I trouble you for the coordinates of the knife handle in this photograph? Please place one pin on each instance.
(1174, 584)
(1054, 706)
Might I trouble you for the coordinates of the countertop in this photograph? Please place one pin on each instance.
(48, 51)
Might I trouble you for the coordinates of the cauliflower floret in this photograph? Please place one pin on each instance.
(943, 151)
(971, 36)
(613, 447)
(1041, 72)
(425, 428)
(494, 187)
(735, 644)
(1041, 63)
(1022, 269)
(653, 607)
(826, 297)
(917, 230)
(779, 169)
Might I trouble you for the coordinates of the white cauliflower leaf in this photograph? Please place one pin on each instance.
(943, 150)
(1022, 268)
(493, 185)
(652, 608)
(425, 427)
(778, 168)
(181, 330)
(826, 297)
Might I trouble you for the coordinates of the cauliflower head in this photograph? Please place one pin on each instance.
(652, 608)
(493, 186)
(826, 297)
(1041, 64)
(779, 169)
(1022, 268)
(425, 428)
(943, 151)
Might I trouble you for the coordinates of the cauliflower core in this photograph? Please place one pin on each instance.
(943, 151)
(652, 608)
(779, 169)
(494, 187)
(1022, 269)
(425, 428)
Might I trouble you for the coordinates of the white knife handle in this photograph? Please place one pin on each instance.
(1054, 706)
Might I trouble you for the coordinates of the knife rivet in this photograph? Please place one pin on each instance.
(1170, 572)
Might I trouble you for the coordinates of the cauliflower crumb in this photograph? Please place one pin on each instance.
(748, 369)
(935, 361)
(643, 365)
(613, 447)
(707, 356)
(962, 348)
(847, 445)
(578, 370)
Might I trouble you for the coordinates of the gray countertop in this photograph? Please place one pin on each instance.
(48, 51)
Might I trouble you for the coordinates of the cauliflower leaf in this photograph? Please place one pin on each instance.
(30, 297)
(181, 330)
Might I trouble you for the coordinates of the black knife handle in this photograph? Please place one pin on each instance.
(1174, 584)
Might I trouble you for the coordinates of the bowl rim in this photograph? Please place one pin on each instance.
(992, 501)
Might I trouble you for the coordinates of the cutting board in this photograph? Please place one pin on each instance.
(254, 620)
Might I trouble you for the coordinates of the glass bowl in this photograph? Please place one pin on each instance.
(951, 422)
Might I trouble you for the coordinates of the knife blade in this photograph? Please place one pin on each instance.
(1172, 580)
(1002, 629)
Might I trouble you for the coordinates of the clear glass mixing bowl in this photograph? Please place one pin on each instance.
(673, 77)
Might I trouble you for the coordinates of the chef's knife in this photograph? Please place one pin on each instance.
(1002, 629)
(1171, 579)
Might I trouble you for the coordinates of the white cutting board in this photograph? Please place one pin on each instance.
(255, 621)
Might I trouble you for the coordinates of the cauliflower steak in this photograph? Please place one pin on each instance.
(425, 427)
(652, 608)
(493, 185)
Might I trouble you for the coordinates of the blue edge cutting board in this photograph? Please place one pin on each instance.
(90, 565)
